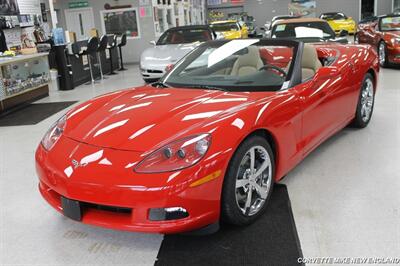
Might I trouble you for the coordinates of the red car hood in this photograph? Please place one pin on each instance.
(139, 119)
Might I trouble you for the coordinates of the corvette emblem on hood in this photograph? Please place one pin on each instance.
(76, 164)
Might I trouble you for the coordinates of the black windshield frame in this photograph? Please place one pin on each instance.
(331, 32)
(293, 78)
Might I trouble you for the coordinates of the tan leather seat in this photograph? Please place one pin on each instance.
(310, 62)
(248, 63)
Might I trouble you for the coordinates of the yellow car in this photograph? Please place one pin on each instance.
(230, 29)
(339, 21)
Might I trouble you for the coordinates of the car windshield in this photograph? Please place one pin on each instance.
(390, 23)
(177, 36)
(303, 30)
(333, 16)
(228, 26)
(237, 65)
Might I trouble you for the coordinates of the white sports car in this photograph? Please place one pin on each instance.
(173, 45)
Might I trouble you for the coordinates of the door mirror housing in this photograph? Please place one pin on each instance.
(153, 42)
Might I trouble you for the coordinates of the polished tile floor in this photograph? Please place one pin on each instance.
(345, 195)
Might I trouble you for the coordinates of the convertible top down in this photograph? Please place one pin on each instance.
(207, 142)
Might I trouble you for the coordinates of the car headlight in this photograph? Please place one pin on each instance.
(54, 133)
(176, 155)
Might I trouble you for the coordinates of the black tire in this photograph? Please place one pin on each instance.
(385, 63)
(359, 121)
(230, 211)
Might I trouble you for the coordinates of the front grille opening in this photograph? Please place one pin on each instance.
(167, 214)
(154, 71)
(86, 205)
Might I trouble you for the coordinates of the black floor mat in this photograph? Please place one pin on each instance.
(271, 240)
(32, 114)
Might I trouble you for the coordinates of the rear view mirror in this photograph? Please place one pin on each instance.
(153, 42)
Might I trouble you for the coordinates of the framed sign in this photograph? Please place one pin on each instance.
(9, 8)
(119, 21)
(304, 8)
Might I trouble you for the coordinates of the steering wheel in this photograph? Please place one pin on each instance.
(269, 66)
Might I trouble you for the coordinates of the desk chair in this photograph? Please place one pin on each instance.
(91, 49)
(110, 49)
(101, 48)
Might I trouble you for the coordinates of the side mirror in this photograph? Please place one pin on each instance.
(326, 72)
(153, 42)
(263, 29)
(343, 33)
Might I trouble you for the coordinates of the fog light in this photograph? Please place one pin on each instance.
(167, 214)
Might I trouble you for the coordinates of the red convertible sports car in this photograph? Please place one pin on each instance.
(207, 142)
(384, 34)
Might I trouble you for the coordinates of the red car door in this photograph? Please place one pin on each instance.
(328, 104)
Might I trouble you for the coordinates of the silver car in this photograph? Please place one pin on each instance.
(173, 45)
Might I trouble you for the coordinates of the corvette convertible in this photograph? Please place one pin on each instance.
(384, 34)
(340, 22)
(208, 141)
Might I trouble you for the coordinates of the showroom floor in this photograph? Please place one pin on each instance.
(345, 195)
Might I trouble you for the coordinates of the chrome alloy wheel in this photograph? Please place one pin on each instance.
(367, 100)
(253, 180)
(382, 53)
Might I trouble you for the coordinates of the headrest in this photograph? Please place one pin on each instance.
(252, 58)
(310, 58)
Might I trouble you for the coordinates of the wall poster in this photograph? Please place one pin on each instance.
(119, 21)
(304, 8)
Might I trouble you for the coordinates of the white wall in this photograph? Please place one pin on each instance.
(384, 7)
(134, 47)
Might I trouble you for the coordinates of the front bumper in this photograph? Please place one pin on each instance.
(104, 189)
(152, 72)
